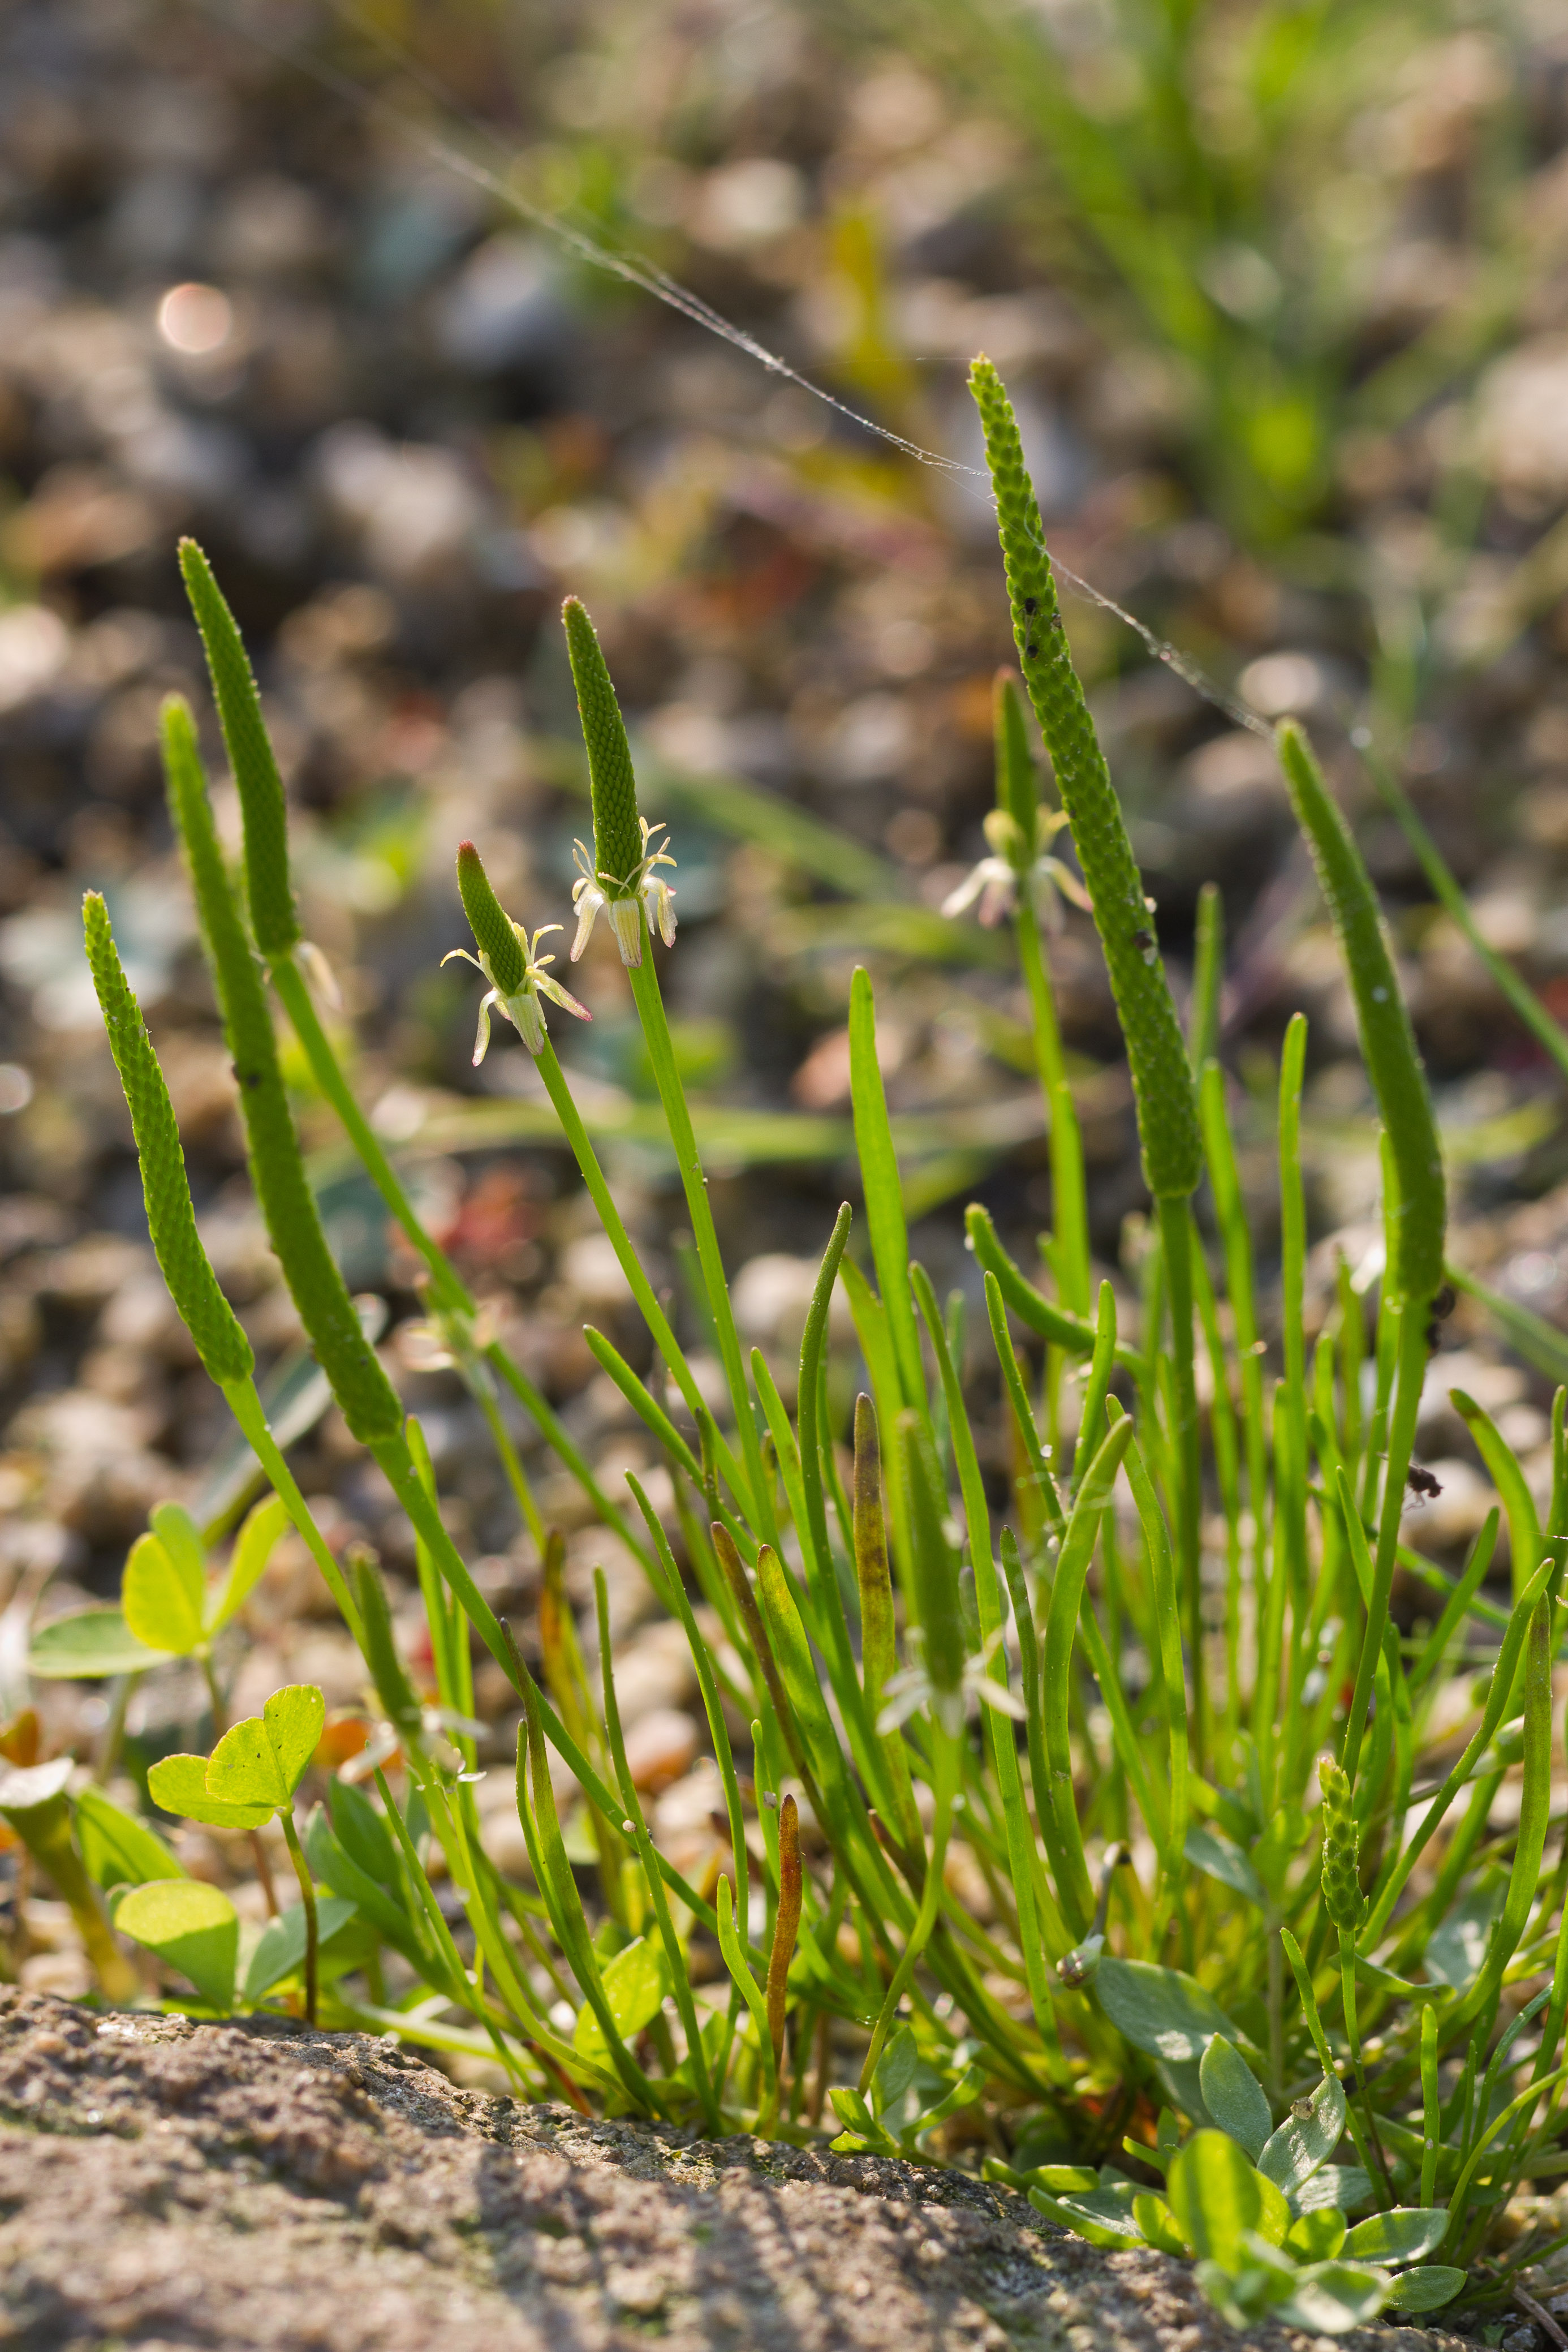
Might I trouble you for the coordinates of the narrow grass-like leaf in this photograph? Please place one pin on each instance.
(676, 1958)
(883, 1200)
(1070, 1332)
(1519, 1503)
(1063, 1837)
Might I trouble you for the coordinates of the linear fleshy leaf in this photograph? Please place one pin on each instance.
(225, 1350)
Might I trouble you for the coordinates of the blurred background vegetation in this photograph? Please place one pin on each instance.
(1281, 292)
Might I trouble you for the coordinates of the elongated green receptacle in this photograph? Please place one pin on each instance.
(369, 1401)
(489, 924)
(1156, 1051)
(225, 1350)
(617, 835)
(272, 912)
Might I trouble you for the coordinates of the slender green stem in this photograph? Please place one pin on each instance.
(1175, 1231)
(308, 1897)
(1411, 1373)
(671, 1095)
(1069, 1204)
(1353, 2034)
(642, 1289)
(249, 1411)
(947, 1763)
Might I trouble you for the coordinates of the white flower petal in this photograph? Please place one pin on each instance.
(626, 915)
(589, 898)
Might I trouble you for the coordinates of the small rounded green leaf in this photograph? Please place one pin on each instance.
(635, 1983)
(178, 1784)
(181, 1537)
(1160, 2011)
(253, 1548)
(1302, 2142)
(1216, 2197)
(1234, 2096)
(1316, 2237)
(1274, 2219)
(1403, 2235)
(1428, 2289)
(1104, 2223)
(117, 1849)
(281, 1951)
(159, 1604)
(1346, 2186)
(193, 1927)
(896, 2070)
(93, 1642)
(295, 1718)
(1223, 1860)
(1331, 2298)
(262, 1761)
(1158, 2224)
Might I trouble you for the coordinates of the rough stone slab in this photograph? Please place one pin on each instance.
(259, 2186)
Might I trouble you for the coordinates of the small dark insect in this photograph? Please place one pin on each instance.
(1031, 605)
(1421, 1482)
(1143, 941)
(1057, 622)
(1442, 1307)
(1031, 650)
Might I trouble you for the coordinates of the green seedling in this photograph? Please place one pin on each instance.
(248, 1780)
(168, 1607)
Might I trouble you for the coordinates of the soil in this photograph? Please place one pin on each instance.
(260, 2185)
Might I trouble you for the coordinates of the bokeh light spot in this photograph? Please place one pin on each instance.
(195, 318)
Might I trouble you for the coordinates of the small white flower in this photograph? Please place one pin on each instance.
(440, 1728)
(995, 880)
(902, 1693)
(522, 1008)
(624, 896)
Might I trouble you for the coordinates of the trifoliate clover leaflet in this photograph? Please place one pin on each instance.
(623, 895)
(522, 1008)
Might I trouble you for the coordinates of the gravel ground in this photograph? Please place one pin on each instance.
(258, 2186)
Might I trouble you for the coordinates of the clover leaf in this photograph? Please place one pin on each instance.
(262, 1761)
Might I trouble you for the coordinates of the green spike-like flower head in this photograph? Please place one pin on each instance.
(617, 840)
(1343, 1898)
(509, 960)
(369, 1401)
(622, 876)
(272, 914)
(492, 929)
(1156, 1051)
(225, 1350)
